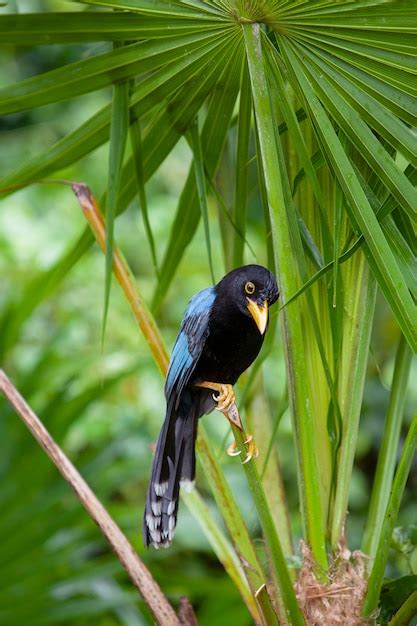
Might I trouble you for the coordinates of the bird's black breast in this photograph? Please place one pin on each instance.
(232, 344)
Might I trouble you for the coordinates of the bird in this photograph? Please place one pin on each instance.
(221, 334)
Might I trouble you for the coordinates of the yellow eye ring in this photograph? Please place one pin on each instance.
(250, 288)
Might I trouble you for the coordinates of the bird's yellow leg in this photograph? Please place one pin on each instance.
(225, 397)
(226, 403)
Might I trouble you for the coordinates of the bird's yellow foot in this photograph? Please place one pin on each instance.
(252, 452)
(225, 398)
(226, 403)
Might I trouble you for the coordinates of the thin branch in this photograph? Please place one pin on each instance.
(124, 276)
(142, 579)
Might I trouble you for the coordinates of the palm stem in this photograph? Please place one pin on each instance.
(357, 334)
(236, 526)
(390, 518)
(292, 609)
(295, 354)
(388, 451)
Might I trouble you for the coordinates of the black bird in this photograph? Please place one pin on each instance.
(220, 336)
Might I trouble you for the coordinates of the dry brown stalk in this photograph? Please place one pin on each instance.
(139, 574)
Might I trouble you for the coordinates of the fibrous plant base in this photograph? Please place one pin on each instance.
(340, 598)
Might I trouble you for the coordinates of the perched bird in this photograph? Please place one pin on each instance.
(220, 336)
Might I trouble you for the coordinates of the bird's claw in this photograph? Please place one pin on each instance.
(226, 403)
(232, 450)
(225, 398)
(252, 452)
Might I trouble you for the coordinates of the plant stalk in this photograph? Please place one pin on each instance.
(223, 549)
(357, 335)
(292, 609)
(139, 574)
(285, 262)
(390, 518)
(388, 451)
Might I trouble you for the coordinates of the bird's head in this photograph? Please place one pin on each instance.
(252, 288)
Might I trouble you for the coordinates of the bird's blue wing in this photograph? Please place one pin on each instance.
(189, 343)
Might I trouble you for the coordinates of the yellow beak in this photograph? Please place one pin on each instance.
(259, 314)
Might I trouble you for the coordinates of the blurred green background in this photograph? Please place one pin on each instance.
(104, 404)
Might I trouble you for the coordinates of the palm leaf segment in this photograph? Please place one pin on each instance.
(351, 65)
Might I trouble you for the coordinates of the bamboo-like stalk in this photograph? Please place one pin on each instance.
(313, 318)
(357, 334)
(388, 451)
(124, 277)
(390, 518)
(226, 502)
(286, 264)
(292, 609)
(259, 420)
(223, 549)
(138, 573)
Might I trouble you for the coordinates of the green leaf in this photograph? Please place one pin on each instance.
(363, 138)
(360, 15)
(396, 100)
(27, 29)
(397, 63)
(388, 450)
(292, 610)
(330, 428)
(222, 548)
(242, 158)
(137, 152)
(100, 71)
(148, 98)
(298, 139)
(192, 10)
(213, 137)
(377, 116)
(394, 41)
(379, 254)
(118, 137)
(317, 161)
(398, 601)
(233, 518)
(390, 517)
(159, 137)
(405, 257)
(200, 178)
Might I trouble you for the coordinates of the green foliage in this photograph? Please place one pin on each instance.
(394, 595)
(300, 121)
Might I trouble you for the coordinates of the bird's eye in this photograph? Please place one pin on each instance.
(250, 288)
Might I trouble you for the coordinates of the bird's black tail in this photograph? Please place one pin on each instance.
(173, 466)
